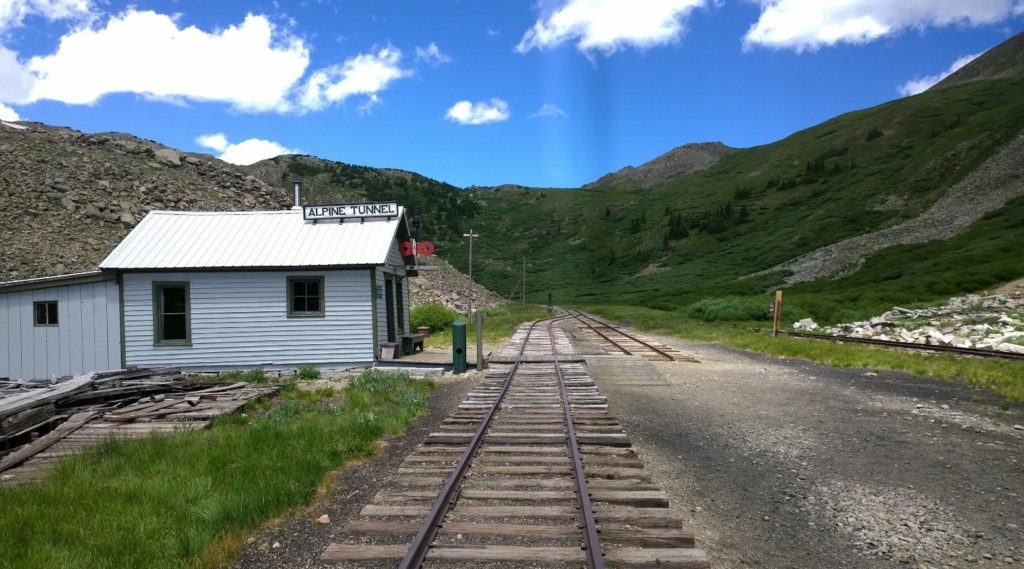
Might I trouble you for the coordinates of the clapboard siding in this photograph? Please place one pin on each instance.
(87, 337)
(239, 320)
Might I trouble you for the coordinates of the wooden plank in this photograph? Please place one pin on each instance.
(35, 397)
(25, 419)
(46, 441)
(647, 537)
(370, 527)
(148, 411)
(678, 558)
(359, 552)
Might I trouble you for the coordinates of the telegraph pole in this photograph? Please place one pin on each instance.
(471, 235)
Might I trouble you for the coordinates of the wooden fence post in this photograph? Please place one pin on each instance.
(777, 313)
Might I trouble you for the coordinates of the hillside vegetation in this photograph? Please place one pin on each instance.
(698, 235)
(443, 208)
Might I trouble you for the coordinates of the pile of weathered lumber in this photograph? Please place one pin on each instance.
(43, 421)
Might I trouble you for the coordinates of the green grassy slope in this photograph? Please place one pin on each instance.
(761, 206)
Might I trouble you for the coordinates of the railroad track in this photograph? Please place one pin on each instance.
(617, 340)
(908, 346)
(531, 469)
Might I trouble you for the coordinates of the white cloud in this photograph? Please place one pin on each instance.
(607, 25)
(365, 74)
(216, 141)
(549, 110)
(482, 112)
(432, 55)
(15, 80)
(252, 66)
(14, 12)
(8, 114)
(245, 152)
(922, 84)
(810, 24)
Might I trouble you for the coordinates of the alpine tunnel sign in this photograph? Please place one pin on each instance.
(349, 211)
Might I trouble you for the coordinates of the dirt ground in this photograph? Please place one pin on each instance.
(787, 464)
(777, 464)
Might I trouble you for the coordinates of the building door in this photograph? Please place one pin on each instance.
(389, 307)
(400, 305)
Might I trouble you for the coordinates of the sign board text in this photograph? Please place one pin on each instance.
(349, 211)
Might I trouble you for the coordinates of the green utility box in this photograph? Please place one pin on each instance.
(459, 346)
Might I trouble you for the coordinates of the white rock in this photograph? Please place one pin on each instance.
(324, 519)
(805, 324)
(1012, 348)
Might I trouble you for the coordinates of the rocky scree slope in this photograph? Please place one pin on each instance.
(684, 159)
(68, 198)
(444, 284)
(985, 189)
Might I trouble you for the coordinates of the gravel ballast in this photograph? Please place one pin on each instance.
(789, 464)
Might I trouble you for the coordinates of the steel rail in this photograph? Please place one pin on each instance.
(421, 543)
(591, 541)
(909, 346)
(599, 333)
(662, 353)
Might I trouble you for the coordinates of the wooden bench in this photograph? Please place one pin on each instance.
(411, 342)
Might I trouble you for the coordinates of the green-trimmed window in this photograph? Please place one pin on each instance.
(305, 296)
(46, 312)
(172, 321)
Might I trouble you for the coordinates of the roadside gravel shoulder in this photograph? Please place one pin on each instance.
(785, 463)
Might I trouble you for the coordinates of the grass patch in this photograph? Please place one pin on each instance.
(1003, 377)
(188, 499)
(255, 375)
(308, 372)
(499, 325)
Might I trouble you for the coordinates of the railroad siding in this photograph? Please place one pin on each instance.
(86, 338)
(239, 320)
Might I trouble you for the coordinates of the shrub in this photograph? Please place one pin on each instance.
(308, 372)
(438, 316)
(730, 308)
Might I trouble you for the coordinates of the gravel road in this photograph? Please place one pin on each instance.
(788, 464)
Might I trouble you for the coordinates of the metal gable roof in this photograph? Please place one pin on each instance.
(207, 240)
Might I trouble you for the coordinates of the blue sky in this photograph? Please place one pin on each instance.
(549, 93)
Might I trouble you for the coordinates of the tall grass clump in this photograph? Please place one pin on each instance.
(187, 499)
(308, 372)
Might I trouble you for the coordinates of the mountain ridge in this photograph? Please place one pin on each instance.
(684, 159)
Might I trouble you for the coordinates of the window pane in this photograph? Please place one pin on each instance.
(51, 308)
(313, 304)
(300, 304)
(299, 288)
(313, 288)
(174, 299)
(174, 327)
(40, 314)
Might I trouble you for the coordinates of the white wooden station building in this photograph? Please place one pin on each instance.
(321, 285)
